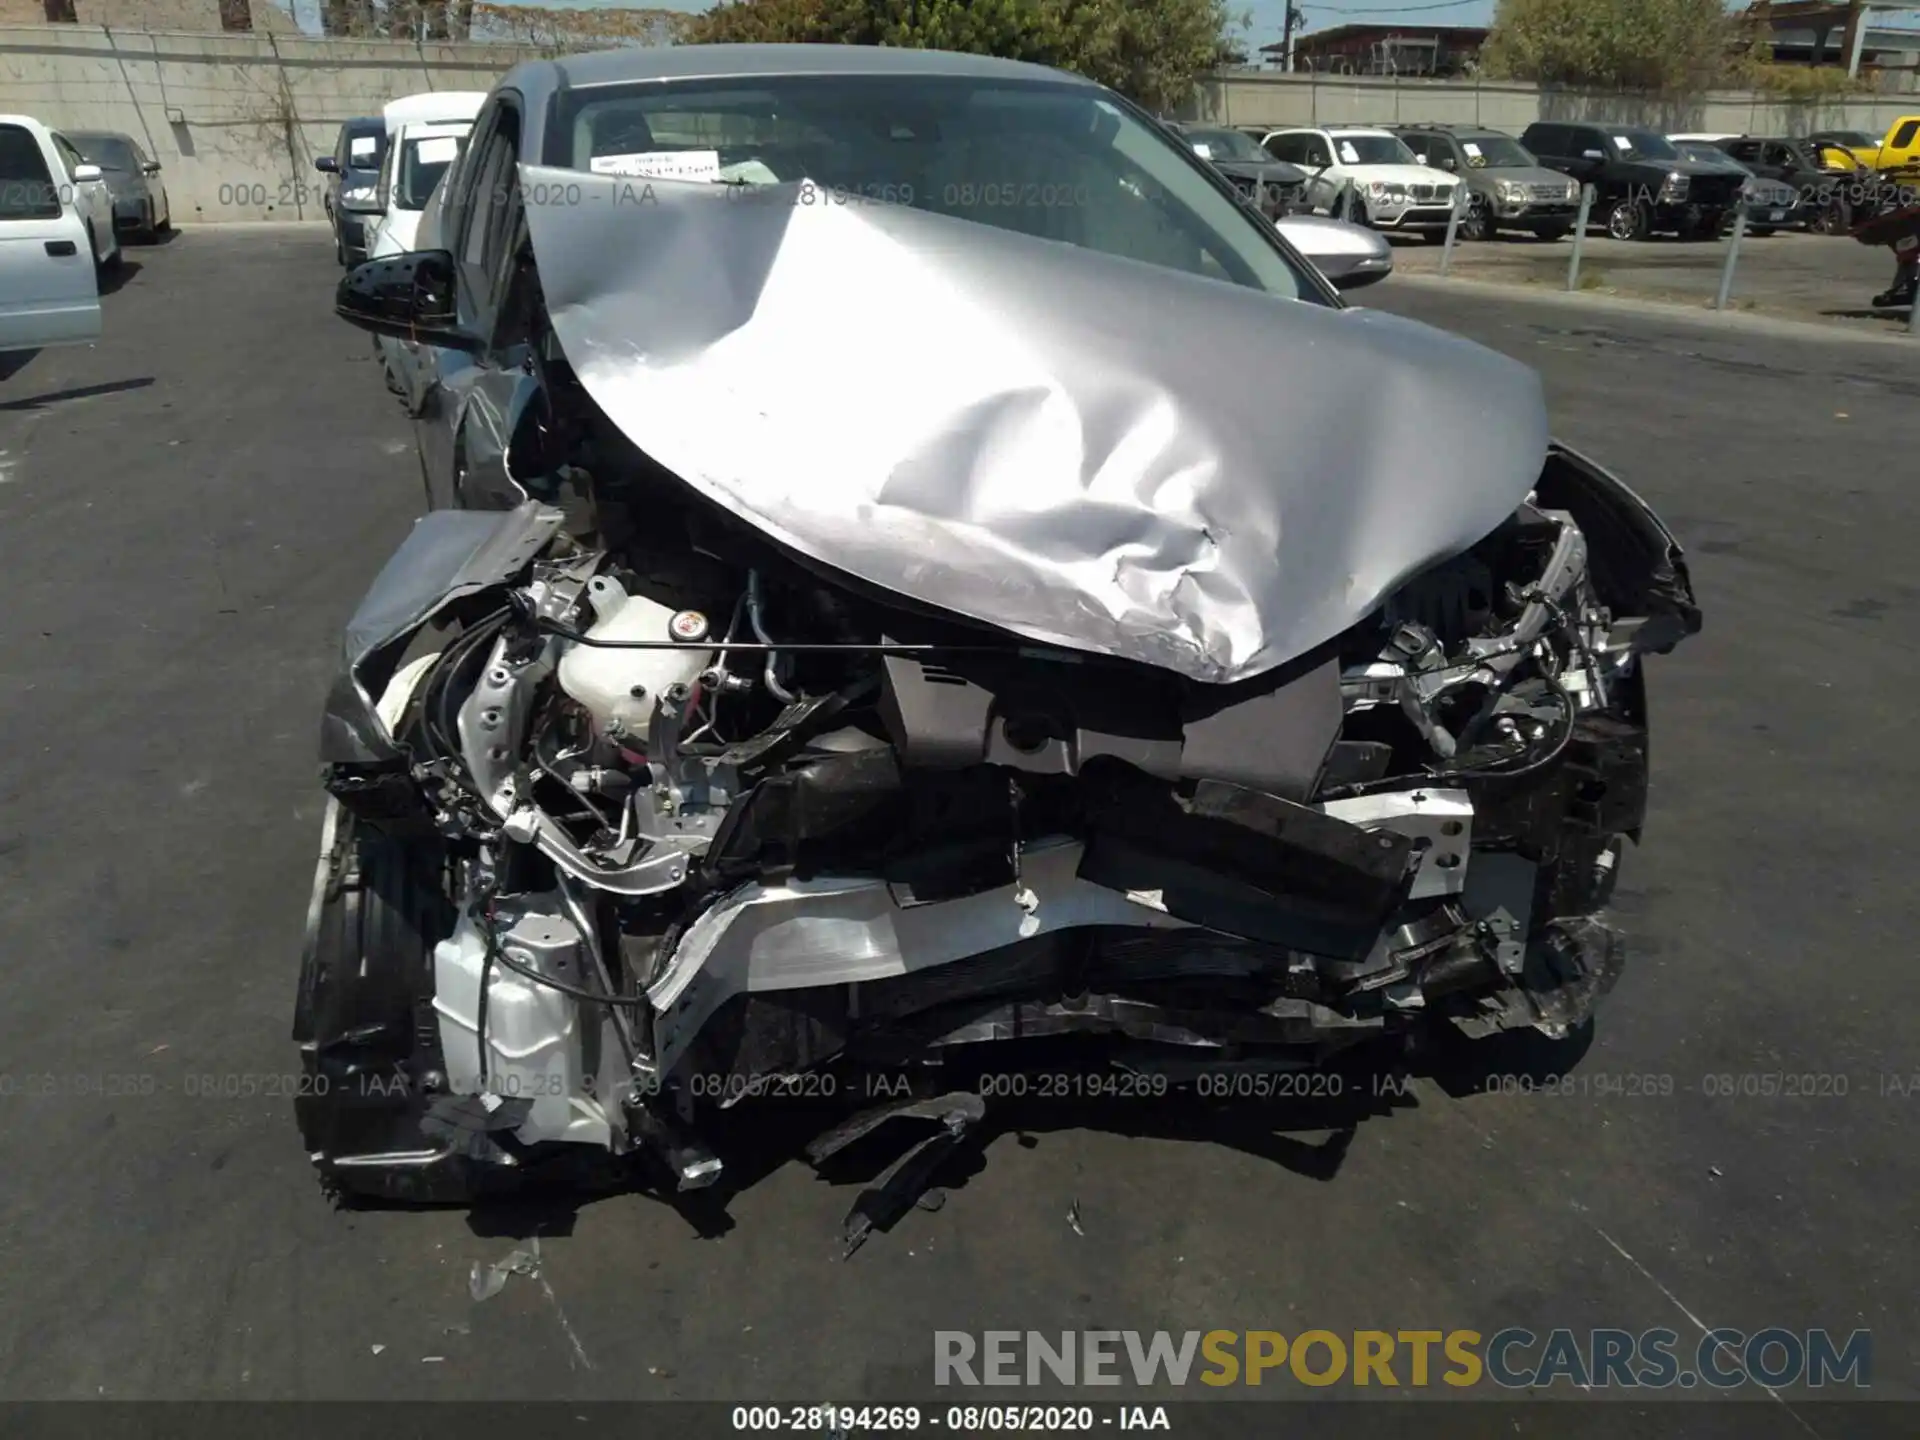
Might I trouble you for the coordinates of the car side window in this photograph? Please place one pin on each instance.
(1903, 137)
(1316, 152)
(1779, 155)
(69, 156)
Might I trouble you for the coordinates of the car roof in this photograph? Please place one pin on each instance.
(1354, 129)
(1447, 127)
(435, 129)
(717, 62)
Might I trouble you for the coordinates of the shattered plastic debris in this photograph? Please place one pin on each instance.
(486, 1281)
(1073, 1217)
(376, 1348)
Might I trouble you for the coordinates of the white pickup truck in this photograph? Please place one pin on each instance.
(56, 233)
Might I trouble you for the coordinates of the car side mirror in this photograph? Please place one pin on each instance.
(1447, 163)
(152, 167)
(327, 165)
(407, 297)
(86, 172)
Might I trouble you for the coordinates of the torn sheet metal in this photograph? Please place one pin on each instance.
(1088, 451)
(448, 554)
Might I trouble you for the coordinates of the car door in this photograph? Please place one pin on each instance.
(91, 197)
(49, 294)
(1903, 145)
(468, 399)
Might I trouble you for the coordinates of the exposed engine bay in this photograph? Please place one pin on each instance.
(636, 819)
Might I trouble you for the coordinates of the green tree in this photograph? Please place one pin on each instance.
(1667, 47)
(1150, 50)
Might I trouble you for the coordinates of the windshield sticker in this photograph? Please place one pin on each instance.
(1348, 154)
(1473, 150)
(438, 150)
(362, 147)
(1203, 150)
(1623, 142)
(662, 164)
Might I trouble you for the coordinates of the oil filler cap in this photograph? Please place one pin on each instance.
(688, 626)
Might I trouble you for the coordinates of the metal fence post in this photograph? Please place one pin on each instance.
(1579, 236)
(1733, 255)
(1453, 227)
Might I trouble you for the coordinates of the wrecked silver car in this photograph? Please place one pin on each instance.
(912, 637)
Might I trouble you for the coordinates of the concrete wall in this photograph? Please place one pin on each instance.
(194, 15)
(1255, 97)
(234, 120)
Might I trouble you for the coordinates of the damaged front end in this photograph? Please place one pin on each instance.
(628, 825)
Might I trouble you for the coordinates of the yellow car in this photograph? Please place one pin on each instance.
(1900, 145)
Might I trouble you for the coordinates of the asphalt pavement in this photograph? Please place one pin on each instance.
(189, 511)
(1825, 278)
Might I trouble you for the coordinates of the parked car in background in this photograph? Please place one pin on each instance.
(1390, 189)
(352, 193)
(1275, 186)
(1827, 183)
(1643, 185)
(1509, 188)
(1770, 204)
(49, 281)
(140, 204)
(1848, 140)
(1899, 146)
(417, 159)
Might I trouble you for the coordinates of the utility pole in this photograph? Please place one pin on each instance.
(1856, 33)
(1294, 20)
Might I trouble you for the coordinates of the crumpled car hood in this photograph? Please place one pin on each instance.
(1088, 451)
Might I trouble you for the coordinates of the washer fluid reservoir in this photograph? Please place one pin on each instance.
(623, 685)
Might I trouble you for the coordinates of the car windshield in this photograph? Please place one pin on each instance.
(1642, 145)
(1703, 152)
(422, 162)
(1060, 162)
(1497, 152)
(1226, 145)
(109, 152)
(1372, 150)
(1831, 157)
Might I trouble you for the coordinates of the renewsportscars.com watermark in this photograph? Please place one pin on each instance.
(1514, 1358)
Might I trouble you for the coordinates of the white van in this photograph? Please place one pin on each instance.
(418, 157)
(432, 107)
(56, 231)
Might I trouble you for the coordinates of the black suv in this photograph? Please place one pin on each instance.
(353, 184)
(1641, 183)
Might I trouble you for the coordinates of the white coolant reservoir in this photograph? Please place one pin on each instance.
(623, 685)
